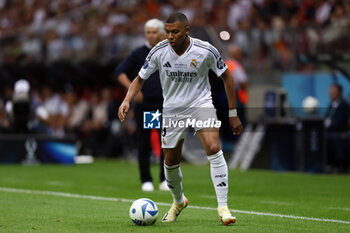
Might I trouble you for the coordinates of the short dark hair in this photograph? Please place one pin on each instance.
(177, 16)
(339, 87)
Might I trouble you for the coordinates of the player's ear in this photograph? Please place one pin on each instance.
(187, 29)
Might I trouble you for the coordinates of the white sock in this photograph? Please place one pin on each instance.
(219, 176)
(173, 176)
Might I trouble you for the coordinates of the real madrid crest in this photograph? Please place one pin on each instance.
(193, 63)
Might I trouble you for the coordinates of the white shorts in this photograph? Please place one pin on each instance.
(175, 126)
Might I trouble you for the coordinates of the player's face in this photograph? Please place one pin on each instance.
(153, 36)
(176, 33)
(333, 93)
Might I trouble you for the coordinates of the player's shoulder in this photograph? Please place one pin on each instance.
(158, 47)
(161, 44)
(203, 43)
(200, 42)
(206, 46)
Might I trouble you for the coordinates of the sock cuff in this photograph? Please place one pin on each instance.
(216, 155)
(217, 160)
(171, 167)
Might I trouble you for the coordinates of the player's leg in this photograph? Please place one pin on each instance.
(163, 186)
(218, 167)
(209, 138)
(173, 175)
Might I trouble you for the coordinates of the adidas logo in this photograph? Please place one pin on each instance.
(167, 64)
(222, 184)
(164, 218)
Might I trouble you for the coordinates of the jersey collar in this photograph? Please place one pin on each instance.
(187, 50)
(190, 46)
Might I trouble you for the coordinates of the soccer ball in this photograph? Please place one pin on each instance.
(310, 104)
(143, 212)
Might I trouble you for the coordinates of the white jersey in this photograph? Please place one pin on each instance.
(184, 79)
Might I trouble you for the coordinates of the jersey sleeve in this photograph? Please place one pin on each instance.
(215, 61)
(149, 66)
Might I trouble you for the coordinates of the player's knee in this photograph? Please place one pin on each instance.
(213, 148)
(171, 160)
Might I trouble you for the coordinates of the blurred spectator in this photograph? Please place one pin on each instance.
(241, 36)
(76, 44)
(62, 24)
(323, 11)
(96, 127)
(31, 47)
(22, 110)
(39, 16)
(57, 109)
(306, 12)
(234, 63)
(337, 25)
(55, 47)
(238, 12)
(78, 110)
(19, 108)
(4, 122)
(337, 126)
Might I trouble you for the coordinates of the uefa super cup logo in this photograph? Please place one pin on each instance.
(31, 146)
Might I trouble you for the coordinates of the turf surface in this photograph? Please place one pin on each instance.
(306, 195)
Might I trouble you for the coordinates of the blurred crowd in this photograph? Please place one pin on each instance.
(103, 30)
(89, 115)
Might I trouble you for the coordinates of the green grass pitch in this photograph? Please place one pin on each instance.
(22, 209)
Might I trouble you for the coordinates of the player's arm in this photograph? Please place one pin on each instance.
(134, 88)
(230, 89)
(124, 80)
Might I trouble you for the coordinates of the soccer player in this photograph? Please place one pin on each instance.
(148, 99)
(183, 63)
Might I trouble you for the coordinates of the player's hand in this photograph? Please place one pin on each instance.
(236, 125)
(139, 97)
(123, 110)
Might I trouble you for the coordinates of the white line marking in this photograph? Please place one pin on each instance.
(60, 194)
